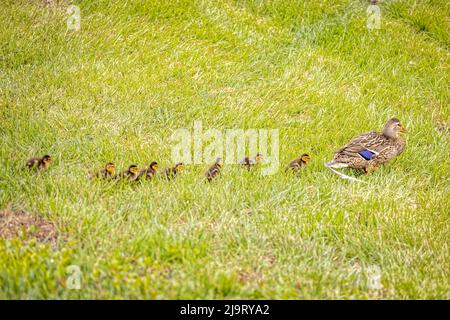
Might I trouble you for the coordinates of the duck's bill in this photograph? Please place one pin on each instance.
(403, 130)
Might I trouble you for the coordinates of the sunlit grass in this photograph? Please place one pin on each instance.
(136, 71)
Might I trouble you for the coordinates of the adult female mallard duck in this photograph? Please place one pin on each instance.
(369, 150)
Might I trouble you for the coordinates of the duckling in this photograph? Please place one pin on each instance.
(171, 173)
(149, 172)
(249, 162)
(107, 172)
(296, 164)
(39, 164)
(369, 150)
(214, 171)
(131, 174)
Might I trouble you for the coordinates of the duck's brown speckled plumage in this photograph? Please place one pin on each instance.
(384, 146)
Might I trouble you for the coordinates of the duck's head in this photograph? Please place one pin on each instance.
(133, 169)
(47, 159)
(259, 157)
(219, 162)
(179, 167)
(110, 167)
(305, 158)
(393, 128)
(153, 165)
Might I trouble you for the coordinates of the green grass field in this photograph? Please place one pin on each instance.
(136, 71)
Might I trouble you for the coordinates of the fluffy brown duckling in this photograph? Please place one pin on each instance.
(149, 172)
(249, 162)
(107, 172)
(130, 174)
(171, 173)
(296, 164)
(39, 164)
(214, 171)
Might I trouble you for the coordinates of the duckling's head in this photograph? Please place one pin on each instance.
(305, 158)
(259, 157)
(133, 169)
(393, 128)
(110, 167)
(154, 165)
(219, 162)
(179, 167)
(47, 159)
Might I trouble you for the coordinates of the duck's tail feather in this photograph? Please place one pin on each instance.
(332, 164)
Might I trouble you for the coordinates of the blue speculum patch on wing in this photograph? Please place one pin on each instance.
(366, 154)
